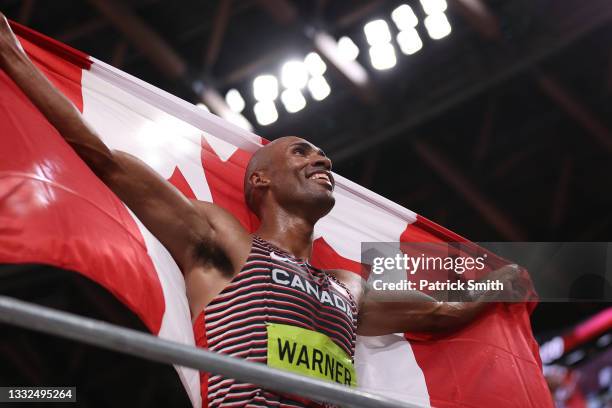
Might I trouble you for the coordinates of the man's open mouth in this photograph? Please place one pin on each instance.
(322, 177)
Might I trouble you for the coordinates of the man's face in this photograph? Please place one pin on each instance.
(300, 177)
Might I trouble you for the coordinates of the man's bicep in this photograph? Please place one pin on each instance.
(162, 208)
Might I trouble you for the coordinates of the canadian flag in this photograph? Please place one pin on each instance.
(54, 211)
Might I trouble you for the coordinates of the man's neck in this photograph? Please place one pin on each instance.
(288, 232)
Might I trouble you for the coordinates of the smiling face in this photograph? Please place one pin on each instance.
(292, 173)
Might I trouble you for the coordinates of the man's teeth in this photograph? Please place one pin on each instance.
(320, 176)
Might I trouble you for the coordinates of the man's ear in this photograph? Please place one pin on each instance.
(259, 180)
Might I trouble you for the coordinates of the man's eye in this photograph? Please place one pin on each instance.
(299, 150)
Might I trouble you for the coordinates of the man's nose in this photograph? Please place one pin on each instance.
(322, 161)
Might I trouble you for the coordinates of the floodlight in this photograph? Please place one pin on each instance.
(319, 88)
(234, 100)
(347, 49)
(202, 106)
(265, 88)
(433, 6)
(294, 75)
(404, 18)
(383, 56)
(293, 100)
(265, 112)
(409, 41)
(239, 120)
(437, 26)
(377, 32)
(315, 64)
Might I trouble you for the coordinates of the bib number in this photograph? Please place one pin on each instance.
(309, 353)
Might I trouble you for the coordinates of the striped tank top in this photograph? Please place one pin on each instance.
(273, 289)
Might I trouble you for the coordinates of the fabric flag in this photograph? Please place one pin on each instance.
(53, 210)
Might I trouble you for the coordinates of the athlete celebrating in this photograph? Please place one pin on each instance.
(261, 298)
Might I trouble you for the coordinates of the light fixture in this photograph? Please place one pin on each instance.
(377, 32)
(433, 6)
(437, 26)
(265, 88)
(319, 88)
(202, 106)
(404, 18)
(347, 49)
(293, 100)
(315, 64)
(294, 75)
(383, 56)
(409, 41)
(239, 120)
(234, 100)
(265, 112)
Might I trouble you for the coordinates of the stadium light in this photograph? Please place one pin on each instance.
(404, 18)
(351, 70)
(315, 64)
(383, 56)
(202, 106)
(347, 49)
(293, 100)
(265, 88)
(294, 75)
(431, 7)
(437, 26)
(409, 41)
(239, 120)
(377, 32)
(319, 88)
(265, 112)
(234, 100)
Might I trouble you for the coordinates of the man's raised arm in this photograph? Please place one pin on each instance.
(176, 221)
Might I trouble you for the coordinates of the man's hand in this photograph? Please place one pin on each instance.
(516, 285)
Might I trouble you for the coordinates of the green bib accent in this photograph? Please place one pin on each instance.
(308, 353)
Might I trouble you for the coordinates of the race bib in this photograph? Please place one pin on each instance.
(308, 353)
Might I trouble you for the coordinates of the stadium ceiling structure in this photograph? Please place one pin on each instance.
(490, 117)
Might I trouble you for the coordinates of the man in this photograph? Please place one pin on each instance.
(261, 298)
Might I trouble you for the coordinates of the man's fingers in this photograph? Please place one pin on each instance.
(5, 28)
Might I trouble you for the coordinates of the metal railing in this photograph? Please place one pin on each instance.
(109, 336)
